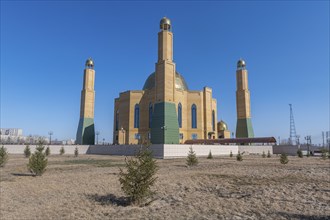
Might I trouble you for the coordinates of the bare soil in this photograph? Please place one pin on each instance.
(87, 187)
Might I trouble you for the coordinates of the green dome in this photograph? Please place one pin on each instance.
(180, 83)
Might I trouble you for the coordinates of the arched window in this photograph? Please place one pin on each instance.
(213, 120)
(180, 115)
(193, 116)
(150, 114)
(137, 116)
(117, 120)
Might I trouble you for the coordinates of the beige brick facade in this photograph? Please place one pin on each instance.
(242, 95)
(124, 131)
(88, 95)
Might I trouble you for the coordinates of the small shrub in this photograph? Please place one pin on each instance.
(27, 151)
(3, 156)
(239, 156)
(284, 159)
(324, 153)
(191, 158)
(38, 161)
(47, 152)
(140, 176)
(62, 151)
(76, 152)
(210, 155)
(269, 155)
(263, 154)
(231, 154)
(299, 153)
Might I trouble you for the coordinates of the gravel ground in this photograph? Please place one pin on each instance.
(221, 188)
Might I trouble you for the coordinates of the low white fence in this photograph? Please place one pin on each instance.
(159, 150)
(54, 149)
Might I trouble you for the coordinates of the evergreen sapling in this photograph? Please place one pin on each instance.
(191, 158)
(27, 151)
(139, 177)
(210, 155)
(299, 153)
(3, 156)
(62, 151)
(47, 152)
(284, 159)
(76, 152)
(239, 156)
(269, 155)
(38, 161)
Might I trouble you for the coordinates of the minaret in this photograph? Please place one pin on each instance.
(244, 124)
(86, 130)
(164, 127)
(165, 68)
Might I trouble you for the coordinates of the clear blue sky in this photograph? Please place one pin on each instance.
(44, 46)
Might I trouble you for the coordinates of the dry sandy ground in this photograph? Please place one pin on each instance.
(222, 188)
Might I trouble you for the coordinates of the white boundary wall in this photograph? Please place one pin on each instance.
(163, 151)
(181, 150)
(54, 149)
(255, 149)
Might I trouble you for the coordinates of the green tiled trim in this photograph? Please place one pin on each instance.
(244, 128)
(164, 126)
(86, 132)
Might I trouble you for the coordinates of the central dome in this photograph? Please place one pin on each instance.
(180, 83)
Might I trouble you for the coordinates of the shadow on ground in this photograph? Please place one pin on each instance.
(22, 174)
(109, 199)
(302, 216)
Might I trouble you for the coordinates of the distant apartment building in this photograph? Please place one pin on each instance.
(11, 131)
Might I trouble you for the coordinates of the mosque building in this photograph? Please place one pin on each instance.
(165, 111)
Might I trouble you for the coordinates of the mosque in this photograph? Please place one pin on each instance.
(165, 111)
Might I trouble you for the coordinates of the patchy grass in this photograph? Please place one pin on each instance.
(92, 162)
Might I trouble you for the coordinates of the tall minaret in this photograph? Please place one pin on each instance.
(165, 127)
(86, 130)
(165, 68)
(244, 124)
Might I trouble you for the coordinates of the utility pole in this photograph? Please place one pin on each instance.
(50, 137)
(327, 134)
(97, 137)
(298, 142)
(308, 139)
(323, 138)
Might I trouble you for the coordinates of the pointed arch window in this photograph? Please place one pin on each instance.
(117, 120)
(137, 116)
(180, 115)
(213, 120)
(193, 116)
(150, 114)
